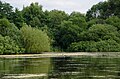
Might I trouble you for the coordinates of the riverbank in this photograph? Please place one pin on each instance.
(50, 54)
(53, 54)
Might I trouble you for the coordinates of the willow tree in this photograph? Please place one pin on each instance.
(35, 40)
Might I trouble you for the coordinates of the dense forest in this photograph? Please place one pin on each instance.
(32, 30)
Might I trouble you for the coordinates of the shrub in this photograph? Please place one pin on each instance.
(83, 46)
(92, 46)
(9, 29)
(35, 40)
(8, 46)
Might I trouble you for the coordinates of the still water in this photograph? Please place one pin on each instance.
(78, 67)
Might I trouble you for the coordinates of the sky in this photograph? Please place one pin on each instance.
(64, 5)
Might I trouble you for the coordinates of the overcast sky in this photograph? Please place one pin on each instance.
(65, 5)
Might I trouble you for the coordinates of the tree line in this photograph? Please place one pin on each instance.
(32, 30)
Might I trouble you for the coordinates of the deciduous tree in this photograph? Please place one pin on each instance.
(35, 40)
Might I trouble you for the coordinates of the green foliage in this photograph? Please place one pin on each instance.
(66, 32)
(92, 46)
(83, 46)
(9, 29)
(8, 46)
(104, 10)
(33, 15)
(35, 40)
(108, 46)
(55, 17)
(78, 19)
(4, 23)
(100, 32)
(114, 20)
(18, 19)
(5, 10)
(95, 21)
(13, 34)
(53, 20)
(98, 38)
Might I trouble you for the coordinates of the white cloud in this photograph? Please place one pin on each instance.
(65, 5)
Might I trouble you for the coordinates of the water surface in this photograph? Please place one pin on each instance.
(77, 67)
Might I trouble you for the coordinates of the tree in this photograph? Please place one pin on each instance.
(17, 18)
(108, 46)
(98, 38)
(55, 18)
(53, 21)
(4, 24)
(104, 10)
(100, 32)
(65, 29)
(33, 15)
(114, 20)
(78, 19)
(8, 46)
(35, 40)
(6, 10)
(10, 30)
(92, 46)
(94, 22)
(83, 46)
(66, 34)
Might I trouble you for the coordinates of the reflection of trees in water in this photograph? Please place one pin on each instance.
(7, 65)
(33, 65)
(94, 68)
(13, 66)
(19, 66)
(22, 66)
(85, 68)
(63, 66)
(2, 67)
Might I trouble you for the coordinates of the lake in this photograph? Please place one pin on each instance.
(63, 67)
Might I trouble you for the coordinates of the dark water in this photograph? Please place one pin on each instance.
(81, 67)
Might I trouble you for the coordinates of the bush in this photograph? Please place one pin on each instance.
(10, 30)
(8, 46)
(83, 46)
(35, 40)
(108, 46)
(91, 46)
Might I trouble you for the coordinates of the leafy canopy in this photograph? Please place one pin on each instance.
(35, 40)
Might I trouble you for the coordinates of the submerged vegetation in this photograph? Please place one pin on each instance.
(33, 30)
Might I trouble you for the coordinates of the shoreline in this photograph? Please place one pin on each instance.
(63, 54)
